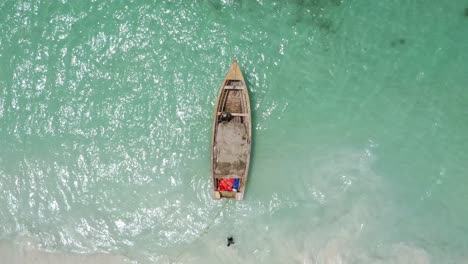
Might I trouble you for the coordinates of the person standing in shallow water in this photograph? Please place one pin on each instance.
(230, 241)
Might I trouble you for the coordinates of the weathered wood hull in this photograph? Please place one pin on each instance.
(232, 136)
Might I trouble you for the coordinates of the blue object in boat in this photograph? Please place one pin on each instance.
(236, 184)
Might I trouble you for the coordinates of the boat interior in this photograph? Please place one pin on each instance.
(232, 143)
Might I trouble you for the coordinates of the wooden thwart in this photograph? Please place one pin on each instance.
(236, 114)
(230, 87)
(234, 176)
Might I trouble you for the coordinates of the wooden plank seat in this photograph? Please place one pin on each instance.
(230, 87)
(236, 114)
(227, 176)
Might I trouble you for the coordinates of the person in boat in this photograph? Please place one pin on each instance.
(225, 116)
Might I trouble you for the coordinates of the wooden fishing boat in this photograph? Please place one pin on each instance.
(232, 137)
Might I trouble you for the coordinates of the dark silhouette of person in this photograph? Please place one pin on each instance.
(230, 240)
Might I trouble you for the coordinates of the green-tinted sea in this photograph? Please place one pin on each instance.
(360, 141)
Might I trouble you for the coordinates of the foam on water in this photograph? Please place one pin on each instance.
(334, 217)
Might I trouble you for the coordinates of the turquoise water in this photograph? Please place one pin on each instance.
(360, 131)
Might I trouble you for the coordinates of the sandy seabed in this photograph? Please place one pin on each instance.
(26, 252)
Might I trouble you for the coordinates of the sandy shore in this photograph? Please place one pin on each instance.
(25, 252)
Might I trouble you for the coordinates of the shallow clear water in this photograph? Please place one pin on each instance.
(360, 135)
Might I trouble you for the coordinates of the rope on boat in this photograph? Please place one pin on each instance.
(204, 232)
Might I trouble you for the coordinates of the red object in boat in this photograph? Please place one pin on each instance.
(225, 184)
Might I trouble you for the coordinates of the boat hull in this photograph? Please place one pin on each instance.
(231, 137)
